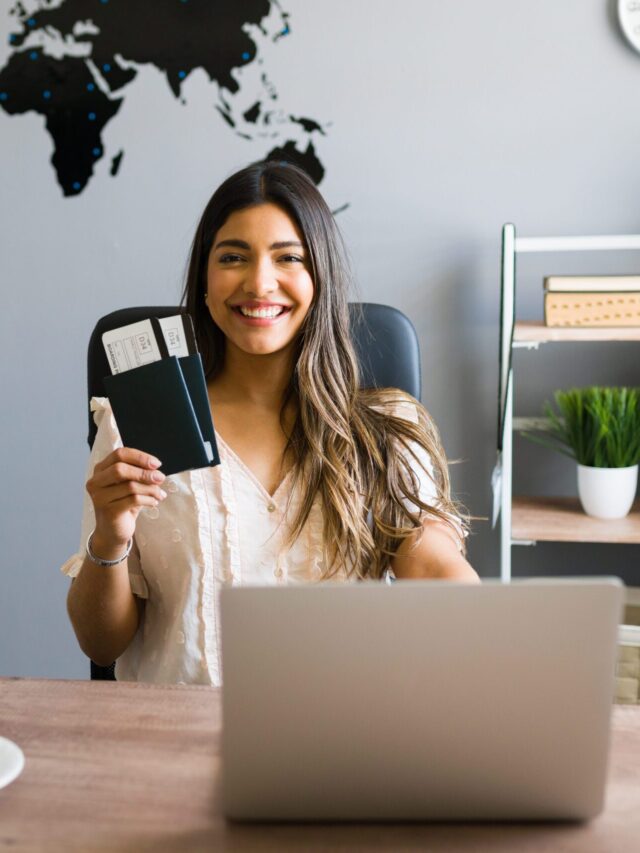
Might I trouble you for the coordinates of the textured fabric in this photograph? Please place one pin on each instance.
(217, 526)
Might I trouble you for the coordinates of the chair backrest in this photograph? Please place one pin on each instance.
(385, 340)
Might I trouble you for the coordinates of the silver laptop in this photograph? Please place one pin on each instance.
(419, 700)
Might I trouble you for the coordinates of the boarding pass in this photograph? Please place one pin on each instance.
(148, 340)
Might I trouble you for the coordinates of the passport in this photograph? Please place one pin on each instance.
(161, 406)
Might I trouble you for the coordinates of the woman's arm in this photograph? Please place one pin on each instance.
(103, 610)
(435, 554)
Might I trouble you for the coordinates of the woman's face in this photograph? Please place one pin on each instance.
(259, 287)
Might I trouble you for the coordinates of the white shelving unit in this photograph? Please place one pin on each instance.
(527, 520)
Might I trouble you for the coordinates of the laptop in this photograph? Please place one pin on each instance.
(420, 700)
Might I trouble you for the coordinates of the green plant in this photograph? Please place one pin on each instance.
(599, 427)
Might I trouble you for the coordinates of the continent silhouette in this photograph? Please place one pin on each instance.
(79, 95)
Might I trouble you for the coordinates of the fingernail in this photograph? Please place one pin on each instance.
(152, 462)
(163, 493)
(157, 476)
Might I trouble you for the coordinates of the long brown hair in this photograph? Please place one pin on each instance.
(353, 447)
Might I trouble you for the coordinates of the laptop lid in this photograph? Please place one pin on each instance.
(419, 700)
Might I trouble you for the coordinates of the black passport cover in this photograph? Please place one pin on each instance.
(193, 373)
(163, 409)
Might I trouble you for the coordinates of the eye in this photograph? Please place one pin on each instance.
(230, 258)
(291, 259)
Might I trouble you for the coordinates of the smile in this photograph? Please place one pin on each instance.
(268, 313)
(256, 313)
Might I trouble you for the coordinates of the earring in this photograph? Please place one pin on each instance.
(205, 296)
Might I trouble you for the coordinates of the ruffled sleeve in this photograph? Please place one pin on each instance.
(107, 439)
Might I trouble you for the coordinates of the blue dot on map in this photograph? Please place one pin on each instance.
(106, 67)
(46, 94)
(182, 74)
(246, 55)
(96, 152)
(92, 116)
(33, 54)
(90, 87)
(76, 185)
(32, 22)
(13, 38)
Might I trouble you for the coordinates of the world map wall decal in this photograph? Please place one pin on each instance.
(74, 61)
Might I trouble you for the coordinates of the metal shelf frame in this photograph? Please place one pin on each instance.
(511, 247)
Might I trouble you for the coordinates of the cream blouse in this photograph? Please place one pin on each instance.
(217, 526)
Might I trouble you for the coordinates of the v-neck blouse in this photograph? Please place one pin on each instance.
(230, 452)
(217, 526)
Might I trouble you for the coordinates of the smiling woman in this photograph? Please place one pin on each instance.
(319, 479)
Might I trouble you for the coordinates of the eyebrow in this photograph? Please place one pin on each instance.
(241, 244)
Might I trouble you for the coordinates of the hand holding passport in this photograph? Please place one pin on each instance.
(158, 392)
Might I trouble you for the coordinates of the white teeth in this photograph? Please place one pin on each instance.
(261, 312)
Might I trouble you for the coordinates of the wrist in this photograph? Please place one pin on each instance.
(107, 549)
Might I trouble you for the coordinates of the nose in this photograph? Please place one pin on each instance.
(260, 279)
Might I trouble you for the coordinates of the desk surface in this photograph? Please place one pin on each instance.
(136, 767)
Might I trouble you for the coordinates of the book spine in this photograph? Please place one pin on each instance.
(592, 283)
(592, 309)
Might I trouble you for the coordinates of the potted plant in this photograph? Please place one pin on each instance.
(600, 429)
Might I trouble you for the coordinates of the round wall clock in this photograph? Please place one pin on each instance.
(629, 17)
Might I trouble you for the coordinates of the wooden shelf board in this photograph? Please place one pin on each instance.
(562, 520)
(537, 332)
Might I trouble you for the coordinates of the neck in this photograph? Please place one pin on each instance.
(259, 380)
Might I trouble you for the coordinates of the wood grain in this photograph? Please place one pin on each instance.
(134, 767)
(563, 520)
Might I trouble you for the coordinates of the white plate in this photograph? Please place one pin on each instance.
(11, 761)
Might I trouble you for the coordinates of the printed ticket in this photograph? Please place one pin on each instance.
(131, 346)
(136, 344)
(178, 334)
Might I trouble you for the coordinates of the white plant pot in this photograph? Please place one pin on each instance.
(607, 492)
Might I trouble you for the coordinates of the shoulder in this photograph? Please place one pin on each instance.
(410, 435)
(99, 406)
(108, 436)
(394, 403)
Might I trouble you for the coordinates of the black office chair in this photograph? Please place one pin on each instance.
(385, 340)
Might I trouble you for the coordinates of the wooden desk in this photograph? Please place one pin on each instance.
(136, 767)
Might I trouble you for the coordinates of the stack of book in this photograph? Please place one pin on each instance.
(592, 300)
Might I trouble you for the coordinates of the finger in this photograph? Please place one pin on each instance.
(131, 456)
(112, 494)
(134, 502)
(121, 472)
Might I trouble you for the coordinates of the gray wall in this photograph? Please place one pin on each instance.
(446, 120)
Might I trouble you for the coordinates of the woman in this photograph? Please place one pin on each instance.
(318, 479)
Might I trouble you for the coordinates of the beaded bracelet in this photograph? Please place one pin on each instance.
(99, 561)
